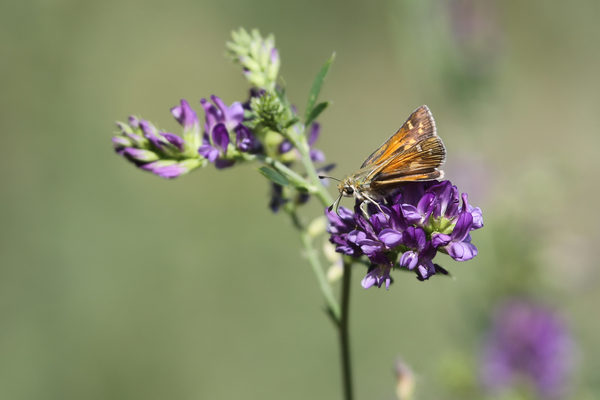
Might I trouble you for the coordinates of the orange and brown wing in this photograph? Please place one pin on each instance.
(419, 162)
(419, 126)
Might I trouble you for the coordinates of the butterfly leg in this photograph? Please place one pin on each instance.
(365, 213)
(371, 200)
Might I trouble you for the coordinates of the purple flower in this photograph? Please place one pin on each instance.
(377, 275)
(340, 225)
(412, 226)
(165, 169)
(458, 244)
(230, 116)
(184, 114)
(530, 342)
(162, 153)
(277, 198)
(223, 127)
(316, 155)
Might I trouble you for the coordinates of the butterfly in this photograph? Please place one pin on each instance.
(414, 153)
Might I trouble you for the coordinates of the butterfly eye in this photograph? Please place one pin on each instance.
(349, 190)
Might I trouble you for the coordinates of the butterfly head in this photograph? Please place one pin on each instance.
(347, 187)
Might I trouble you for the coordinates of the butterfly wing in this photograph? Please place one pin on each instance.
(419, 126)
(414, 153)
(418, 163)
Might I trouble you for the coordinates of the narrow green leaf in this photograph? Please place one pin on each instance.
(291, 122)
(319, 108)
(274, 176)
(316, 86)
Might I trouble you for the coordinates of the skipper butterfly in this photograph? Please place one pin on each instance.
(414, 153)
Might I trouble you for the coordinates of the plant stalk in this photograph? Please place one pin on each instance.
(319, 190)
(345, 334)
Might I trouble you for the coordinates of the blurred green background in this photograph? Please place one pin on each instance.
(116, 284)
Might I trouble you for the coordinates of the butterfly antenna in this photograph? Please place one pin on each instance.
(336, 203)
(328, 177)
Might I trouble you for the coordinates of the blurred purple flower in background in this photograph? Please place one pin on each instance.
(528, 343)
(417, 222)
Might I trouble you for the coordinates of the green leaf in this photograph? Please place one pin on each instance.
(291, 122)
(319, 108)
(316, 86)
(274, 176)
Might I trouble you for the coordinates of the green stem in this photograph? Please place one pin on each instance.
(344, 333)
(339, 315)
(319, 190)
(292, 176)
(315, 263)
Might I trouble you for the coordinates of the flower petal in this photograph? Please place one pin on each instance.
(440, 239)
(184, 114)
(285, 146)
(220, 137)
(134, 122)
(461, 251)
(370, 247)
(477, 217)
(370, 279)
(426, 205)
(317, 156)
(165, 169)
(315, 130)
(443, 192)
(390, 237)
(174, 140)
(140, 155)
(222, 163)
(409, 260)
(415, 238)
(245, 141)
(209, 152)
(411, 213)
(212, 115)
(232, 116)
(462, 227)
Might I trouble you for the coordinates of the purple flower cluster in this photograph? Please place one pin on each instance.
(224, 126)
(528, 343)
(423, 218)
(164, 154)
(226, 135)
(169, 156)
